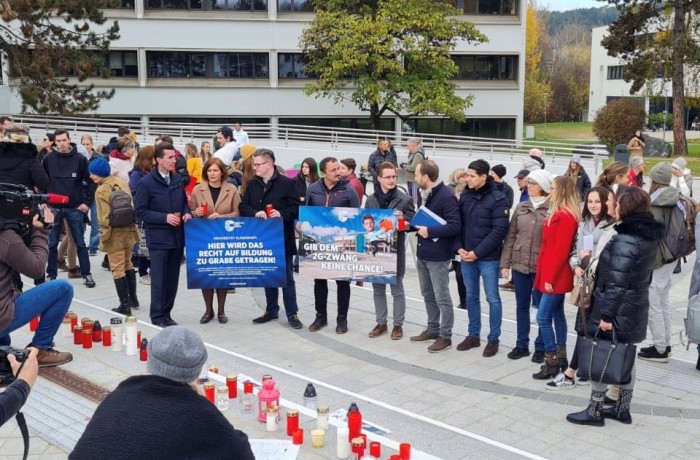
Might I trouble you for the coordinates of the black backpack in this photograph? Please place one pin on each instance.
(121, 208)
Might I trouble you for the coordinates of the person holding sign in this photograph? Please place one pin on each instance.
(272, 195)
(387, 196)
(213, 198)
(331, 191)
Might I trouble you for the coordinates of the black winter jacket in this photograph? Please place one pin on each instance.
(342, 195)
(151, 417)
(19, 164)
(485, 213)
(376, 158)
(69, 176)
(281, 192)
(583, 184)
(400, 202)
(621, 294)
(443, 203)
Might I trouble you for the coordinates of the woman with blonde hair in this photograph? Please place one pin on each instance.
(615, 173)
(194, 167)
(214, 198)
(554, 276)
(205, 151)
(457, 181)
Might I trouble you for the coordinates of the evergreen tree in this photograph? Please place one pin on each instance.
(47, 41)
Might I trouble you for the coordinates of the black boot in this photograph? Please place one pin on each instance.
(561, 358)
(621, 410)
(123, 293)
(593, 414)
(549, 369)
(131, 283)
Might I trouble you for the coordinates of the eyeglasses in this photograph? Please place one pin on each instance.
(257, 165)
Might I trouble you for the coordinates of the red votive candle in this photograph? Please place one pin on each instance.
(87, 338)
(358, 447)
(143, 350)
(209, 392)
(107, 336)
(298, 437)
(34, 324)
(78, 335)
(232, 384)
(405, 451)
(97, 332)
(73, 320)
(292, 421)
(375, 449)
(354, 424)
(402, 224)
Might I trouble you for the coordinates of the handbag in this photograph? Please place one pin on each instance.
(143, 248)
(606, 361)
(582, 293)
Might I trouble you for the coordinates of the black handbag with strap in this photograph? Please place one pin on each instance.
(606, 361)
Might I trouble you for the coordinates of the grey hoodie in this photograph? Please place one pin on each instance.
(662, 203)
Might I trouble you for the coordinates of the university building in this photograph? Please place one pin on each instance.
(213, 61)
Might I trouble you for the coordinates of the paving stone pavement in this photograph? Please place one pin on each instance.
(452, 405)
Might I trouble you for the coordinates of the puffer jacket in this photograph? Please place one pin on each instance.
(583, 183)
(621, 294)
(484, 213)
(662, 203)
(524, 238)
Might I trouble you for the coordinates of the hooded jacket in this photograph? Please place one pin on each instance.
(19, 164)
(69, 176)
(621, 295)
(662, 203)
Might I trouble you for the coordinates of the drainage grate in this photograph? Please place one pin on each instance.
(74, 383)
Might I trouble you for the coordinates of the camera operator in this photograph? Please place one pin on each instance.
(16, 394)
(50, 300)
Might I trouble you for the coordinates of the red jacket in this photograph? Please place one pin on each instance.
(356, 185)
(553, 267)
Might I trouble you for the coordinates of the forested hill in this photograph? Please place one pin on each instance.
(586, 17)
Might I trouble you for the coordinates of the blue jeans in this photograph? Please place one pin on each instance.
(76, 226)
(488, 271)
(551, 309)
(51, 300)
(289, 294)
(524, 297)
(94, 228)
(414, 193)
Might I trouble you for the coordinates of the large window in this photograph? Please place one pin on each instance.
(207, 5)
(486, 67)
(385, 124)
(495, 128)
(616, 72)
(504, 7)
(291, 66)
(117, 63)
(294, 5)
(175, 64)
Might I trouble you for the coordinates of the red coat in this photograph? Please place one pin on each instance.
(553, 267)
(356, 185)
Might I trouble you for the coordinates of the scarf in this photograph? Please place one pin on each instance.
(425, 192)
(538, 201)
(384, 198)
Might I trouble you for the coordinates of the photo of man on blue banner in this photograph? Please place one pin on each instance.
(348, 244)
(235, 252)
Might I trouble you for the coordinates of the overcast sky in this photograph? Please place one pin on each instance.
(563, 5)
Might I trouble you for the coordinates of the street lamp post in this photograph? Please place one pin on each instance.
(545, 114)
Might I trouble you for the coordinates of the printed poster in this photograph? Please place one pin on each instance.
(348, 244)
(235, 252)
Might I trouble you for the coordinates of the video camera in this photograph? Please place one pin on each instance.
(6, 374)
(19, 205)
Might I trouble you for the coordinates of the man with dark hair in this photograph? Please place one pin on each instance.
(239, 135)
(229, 150)
(485, 213)
(268, 187)
(68, 175)
(180, 161)
(331, 191)
(347, 170)
(387, 196)
(385, 152)
(161, 204)
(497, 173)
(434, 256)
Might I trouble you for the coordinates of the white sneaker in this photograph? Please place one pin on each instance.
(533, 315)
(145, 279)
(560, 382)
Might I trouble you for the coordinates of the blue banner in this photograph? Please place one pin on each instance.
(348, 244)
(235, 252)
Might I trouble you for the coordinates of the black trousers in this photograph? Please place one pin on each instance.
(165, 275)
(321, 297)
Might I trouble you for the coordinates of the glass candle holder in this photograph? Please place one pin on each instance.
(222, 402)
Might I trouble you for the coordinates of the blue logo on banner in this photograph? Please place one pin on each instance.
(235, 252)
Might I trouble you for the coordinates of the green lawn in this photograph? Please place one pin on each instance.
(565, 131)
